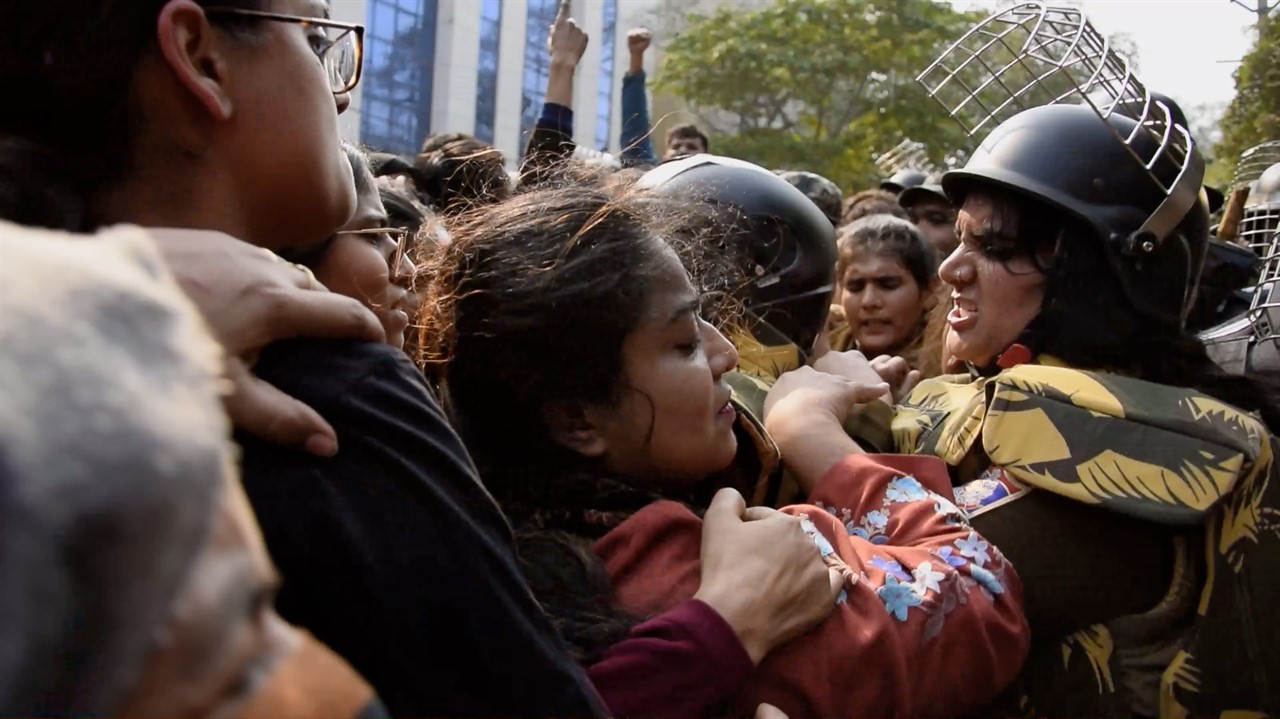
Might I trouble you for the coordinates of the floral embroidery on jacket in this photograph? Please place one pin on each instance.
(871, 527)
(947, 555)
(890, 567)
(898, 597)
(974, 548)
(830, 557)
(986, 580)
(905, 489)
(926, 579)
(926, 587)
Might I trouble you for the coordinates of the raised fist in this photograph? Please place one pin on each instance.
(638, 40)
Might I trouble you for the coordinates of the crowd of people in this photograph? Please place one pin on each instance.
(295, 428)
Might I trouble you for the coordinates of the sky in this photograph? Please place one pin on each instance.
(1180, 42)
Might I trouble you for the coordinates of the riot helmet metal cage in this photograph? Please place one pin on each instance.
(907, 154)
(1260, 228)
(904, 165)
(1250, 343)
(1255, 161)
(1259, 168)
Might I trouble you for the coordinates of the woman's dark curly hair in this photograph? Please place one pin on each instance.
(528, 309)
(458, 172)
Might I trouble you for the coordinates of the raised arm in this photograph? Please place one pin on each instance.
(637, 148)
(551, 143)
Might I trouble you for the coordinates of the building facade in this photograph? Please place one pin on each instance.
(480, 67)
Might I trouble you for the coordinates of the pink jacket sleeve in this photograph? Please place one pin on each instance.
(930, 622)
(684, 663)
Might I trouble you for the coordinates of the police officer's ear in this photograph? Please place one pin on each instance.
(571, 427)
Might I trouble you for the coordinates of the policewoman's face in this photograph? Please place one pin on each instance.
(996, 288)
(882, 304)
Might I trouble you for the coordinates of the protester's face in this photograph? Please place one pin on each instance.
(673, 420)
(225, 651)
(683, 147)
(371, 267)
(996, 288)
(281, 143)
(936, 220)
(882, 303)
(223, 638)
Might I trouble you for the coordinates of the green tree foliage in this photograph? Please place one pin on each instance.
(1253, 116)
(822, 85)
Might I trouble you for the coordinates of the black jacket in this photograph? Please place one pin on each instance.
(394, 554)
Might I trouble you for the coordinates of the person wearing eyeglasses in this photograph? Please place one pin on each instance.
(222, 116)
(368, 260)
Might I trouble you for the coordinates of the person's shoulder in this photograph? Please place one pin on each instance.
(333, 368)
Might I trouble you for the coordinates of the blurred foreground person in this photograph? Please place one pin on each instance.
(133, 578)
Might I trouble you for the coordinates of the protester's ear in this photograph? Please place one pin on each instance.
(193, 52)
(572, 427)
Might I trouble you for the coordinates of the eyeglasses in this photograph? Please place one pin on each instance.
(338, 45)
(398, 235)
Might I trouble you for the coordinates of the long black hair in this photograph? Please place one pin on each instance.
(1087, 321)
(529, 308)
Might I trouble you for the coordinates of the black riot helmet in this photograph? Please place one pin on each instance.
(1151, 224)
(780, 242)
(904, 179)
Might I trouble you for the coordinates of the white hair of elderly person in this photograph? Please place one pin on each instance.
(126, 544)
(112, 452)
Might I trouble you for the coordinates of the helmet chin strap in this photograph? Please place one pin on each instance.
(1021, 351)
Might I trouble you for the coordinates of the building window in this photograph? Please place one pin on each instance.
(537, 63)
(604, 101)
(487, 70)
(400, 45)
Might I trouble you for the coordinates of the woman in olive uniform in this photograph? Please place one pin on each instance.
(1131, 481)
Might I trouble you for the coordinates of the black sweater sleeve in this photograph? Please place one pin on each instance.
(550, 147)
(394, 554)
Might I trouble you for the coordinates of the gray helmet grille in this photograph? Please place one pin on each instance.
(1254, 161)
(906, 155)
(1251, 342)
(1264, 312)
